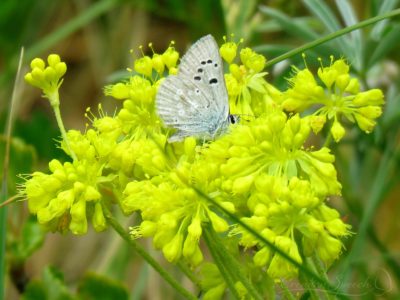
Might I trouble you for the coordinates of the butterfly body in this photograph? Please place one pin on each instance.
(195, 101)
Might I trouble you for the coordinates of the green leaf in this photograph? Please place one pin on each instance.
(379, 28)
(327, 17)
(386, 44)
(51, 287)
(298, 29)
(349, 18)
(35, 291)
(96, 287)
(31, 239)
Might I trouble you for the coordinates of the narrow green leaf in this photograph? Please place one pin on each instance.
(332, 36)
(298, 29)
(324, 13)
(349, 18)
(32, 238)
(96, 287)
(327, 17)
(378, 29)
(386, 43)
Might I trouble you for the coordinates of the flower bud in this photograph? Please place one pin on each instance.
(218, 223)
(144, 66)
(337, 131)
(170, 57)
(173, 250)
(158, 63)
(228, 51)
(98, 219)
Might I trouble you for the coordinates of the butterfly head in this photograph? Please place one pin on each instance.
(233, 119)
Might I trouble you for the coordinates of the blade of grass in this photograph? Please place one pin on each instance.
(296, 28)
(327, 17)
(386, 43)
(378, 190)
(378, 29)
(332, 36)
(289, 25)
(349, 18)
(4, 191)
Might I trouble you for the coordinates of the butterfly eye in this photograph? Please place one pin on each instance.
(233, 119)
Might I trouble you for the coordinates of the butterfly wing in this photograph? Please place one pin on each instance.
(195, 101)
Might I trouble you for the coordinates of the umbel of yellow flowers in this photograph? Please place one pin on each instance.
(260, 170)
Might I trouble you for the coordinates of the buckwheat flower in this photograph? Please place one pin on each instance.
(281, 211)
(170, 56)
(64, 199)
(144, 66)
(138, 116)
(272, 144)
(248, 91)
(140, 158)
(336, 98)
(48, 79)
(176, 209)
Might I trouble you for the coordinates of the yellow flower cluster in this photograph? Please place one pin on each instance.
(261, 170)
(338, 95)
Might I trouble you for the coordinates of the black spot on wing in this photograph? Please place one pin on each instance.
(213, 81)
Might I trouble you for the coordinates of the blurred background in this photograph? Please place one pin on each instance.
(94, 39)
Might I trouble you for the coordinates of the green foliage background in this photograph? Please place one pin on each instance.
(94, 38)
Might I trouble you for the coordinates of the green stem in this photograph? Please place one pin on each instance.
(230, 263)
(328, 139)
(4, 184)
(148, 258)
(55, 104)
(332, 36)
(257, 235)
(228, 277)
(322, 272)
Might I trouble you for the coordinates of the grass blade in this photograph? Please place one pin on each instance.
(386, 44)
(4, 191)
(378, 29)
(327, 17)
(349, 18)
(332, 36)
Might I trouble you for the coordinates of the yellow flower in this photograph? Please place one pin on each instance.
(339, 96)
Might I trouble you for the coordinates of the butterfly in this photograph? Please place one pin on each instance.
(195, 101)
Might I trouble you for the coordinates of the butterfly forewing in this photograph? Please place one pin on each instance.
(195, 101)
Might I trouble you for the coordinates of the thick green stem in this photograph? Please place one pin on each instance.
(148, 258)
